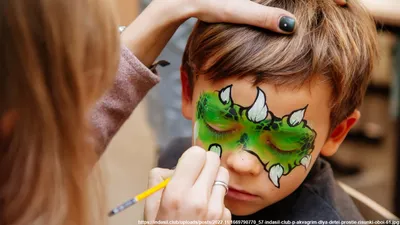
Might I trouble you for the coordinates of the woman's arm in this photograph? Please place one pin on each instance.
(131, 84)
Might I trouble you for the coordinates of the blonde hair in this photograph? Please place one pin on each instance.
(337, 43)
(57, 58)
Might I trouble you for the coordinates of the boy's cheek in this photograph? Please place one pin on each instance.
(290, 182)
(269, 193)
(263, 187)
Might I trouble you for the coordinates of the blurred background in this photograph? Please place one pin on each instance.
(368, 161)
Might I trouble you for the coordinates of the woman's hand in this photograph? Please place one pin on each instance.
(151, 31)
(191, 193)
(241, 12)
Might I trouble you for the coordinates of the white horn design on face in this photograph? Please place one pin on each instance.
(225, 95)
(195, 131)
(305, 161)
(275, 174)
(216, 148)
(296, 117)
(259, 110)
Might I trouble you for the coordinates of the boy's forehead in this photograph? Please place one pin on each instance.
(280, 100)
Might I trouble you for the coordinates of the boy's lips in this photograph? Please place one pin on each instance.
(241, 195)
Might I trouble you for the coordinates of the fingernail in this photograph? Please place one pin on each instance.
(287, 23)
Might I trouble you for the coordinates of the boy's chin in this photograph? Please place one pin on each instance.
(243, 209)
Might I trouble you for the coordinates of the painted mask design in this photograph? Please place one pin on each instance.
(280, 144)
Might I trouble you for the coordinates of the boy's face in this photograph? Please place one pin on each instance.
(267, 138)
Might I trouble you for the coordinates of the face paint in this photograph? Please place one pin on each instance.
(280, 144)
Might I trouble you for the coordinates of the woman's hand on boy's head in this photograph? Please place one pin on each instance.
(244, 12)
(151, 31)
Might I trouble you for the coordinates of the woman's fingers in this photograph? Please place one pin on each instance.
(195, 192)
(227, 216)
(177, 199)
(207, 176)
(152, 203)
(188, 169)
(216, 207)
(249, 12)
(158, 175)
(246, 12)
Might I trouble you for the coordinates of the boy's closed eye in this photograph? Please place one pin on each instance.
(223, 128)
(287, 140)
(279, 147)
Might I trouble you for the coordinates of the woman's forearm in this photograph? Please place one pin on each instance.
(148, 34)
(131, 84)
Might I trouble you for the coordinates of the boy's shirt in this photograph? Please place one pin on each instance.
(319, 197)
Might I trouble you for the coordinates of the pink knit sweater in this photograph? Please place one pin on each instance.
(132, 83)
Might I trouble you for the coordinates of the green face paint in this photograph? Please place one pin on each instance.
(280, 144)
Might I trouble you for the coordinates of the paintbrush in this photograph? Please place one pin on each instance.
(139, 197)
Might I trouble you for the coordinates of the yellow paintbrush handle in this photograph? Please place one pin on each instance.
(151, 191)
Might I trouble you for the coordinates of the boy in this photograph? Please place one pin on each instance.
(269, 104)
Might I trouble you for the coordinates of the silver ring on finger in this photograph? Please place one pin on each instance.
(223, 184)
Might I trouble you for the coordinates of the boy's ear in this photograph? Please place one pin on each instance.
(186, 95)
(339, 134)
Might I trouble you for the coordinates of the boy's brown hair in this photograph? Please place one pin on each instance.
(337, 43)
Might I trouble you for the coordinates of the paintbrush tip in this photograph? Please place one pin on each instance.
(122, 207)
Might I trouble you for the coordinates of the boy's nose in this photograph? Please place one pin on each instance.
(243, 163)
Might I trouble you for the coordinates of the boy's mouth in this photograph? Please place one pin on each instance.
(241, 195)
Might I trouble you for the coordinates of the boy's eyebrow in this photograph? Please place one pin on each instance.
(227, 115)
(293, 132)
(290, 131)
